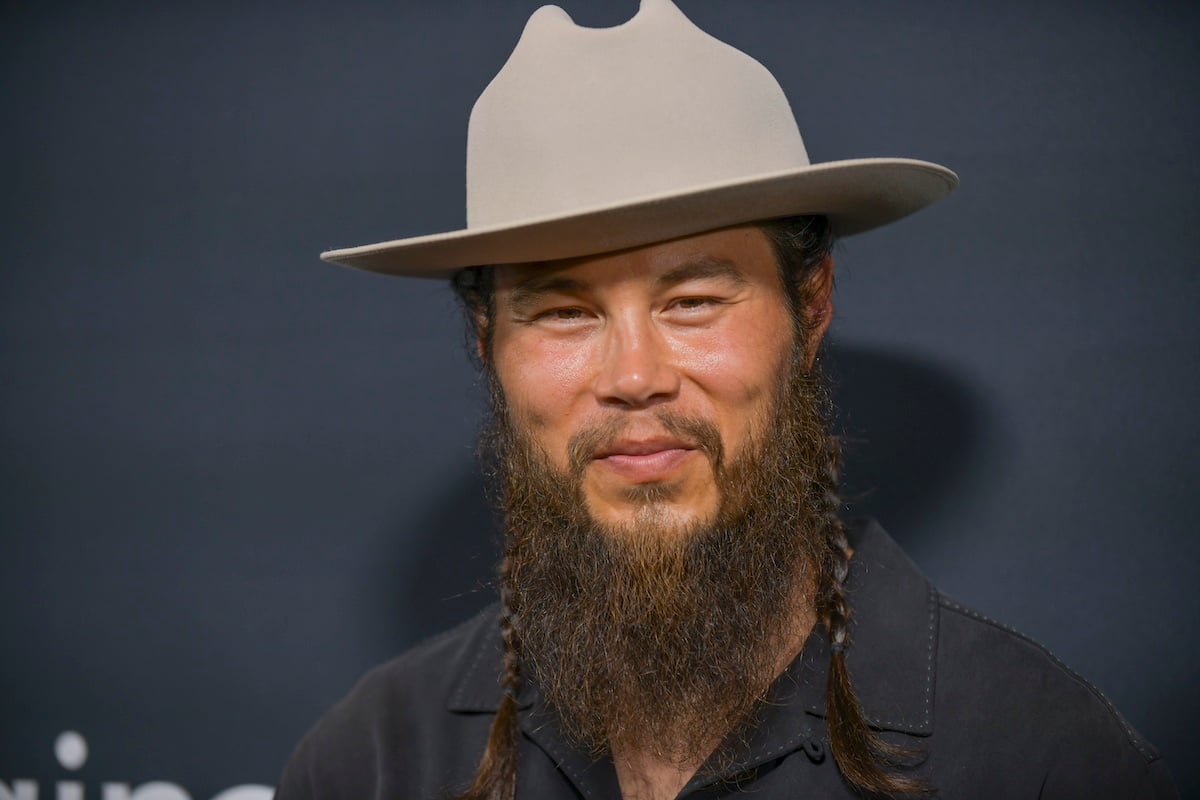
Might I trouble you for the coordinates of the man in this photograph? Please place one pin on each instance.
(647, 271)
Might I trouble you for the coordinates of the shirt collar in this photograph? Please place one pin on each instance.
(892, 655)
(891, 658)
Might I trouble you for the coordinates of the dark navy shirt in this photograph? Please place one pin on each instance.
(994, 713)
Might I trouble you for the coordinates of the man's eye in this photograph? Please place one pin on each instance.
(568, 314)
(694, 303)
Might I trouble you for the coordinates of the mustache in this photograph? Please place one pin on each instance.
(697, 432)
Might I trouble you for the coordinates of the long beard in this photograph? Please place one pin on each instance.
(655, 640)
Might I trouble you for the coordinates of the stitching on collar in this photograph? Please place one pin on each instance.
(931, 654)
(926, 723)
(459, 699)
(792, 743)
(560, 753)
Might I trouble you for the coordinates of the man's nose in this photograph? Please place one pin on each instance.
(636, 366)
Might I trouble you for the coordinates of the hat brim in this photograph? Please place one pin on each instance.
(856, 195)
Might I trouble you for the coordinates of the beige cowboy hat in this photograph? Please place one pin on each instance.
(598, 139)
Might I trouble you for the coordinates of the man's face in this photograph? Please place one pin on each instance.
(659, 442)
(637, 370)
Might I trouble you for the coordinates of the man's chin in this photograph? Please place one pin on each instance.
(649, 510)
(691, 491)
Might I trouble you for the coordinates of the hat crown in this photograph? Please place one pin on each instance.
(581, 118)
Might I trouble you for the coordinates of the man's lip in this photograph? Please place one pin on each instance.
(645, 462)
(645, 447)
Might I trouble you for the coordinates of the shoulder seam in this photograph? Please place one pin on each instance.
(1141, 745)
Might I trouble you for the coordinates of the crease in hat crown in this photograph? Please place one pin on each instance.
(567, 90)
(597, 139)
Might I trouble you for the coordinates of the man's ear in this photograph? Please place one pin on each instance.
(818, 309)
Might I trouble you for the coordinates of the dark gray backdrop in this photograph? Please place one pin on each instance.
(233, 477)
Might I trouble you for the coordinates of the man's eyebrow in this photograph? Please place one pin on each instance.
(529, 290)
(701, 268)
(533, 288)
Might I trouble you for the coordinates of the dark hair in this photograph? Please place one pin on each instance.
(801, 244)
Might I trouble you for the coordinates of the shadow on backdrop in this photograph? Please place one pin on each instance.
(911, 431)
(446, 570)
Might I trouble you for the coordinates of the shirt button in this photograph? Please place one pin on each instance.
(815, 750)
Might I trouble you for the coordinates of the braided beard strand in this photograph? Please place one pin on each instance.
(652, 639)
